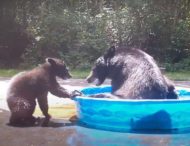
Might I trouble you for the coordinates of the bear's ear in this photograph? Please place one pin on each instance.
(109, 53)
(51, 61)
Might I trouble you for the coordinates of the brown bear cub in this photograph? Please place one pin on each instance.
(28, 86)
(134, 75)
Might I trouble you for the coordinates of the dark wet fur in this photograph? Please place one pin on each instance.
(134, 75)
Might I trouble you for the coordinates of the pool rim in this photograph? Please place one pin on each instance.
(84, 117)
(182, 99)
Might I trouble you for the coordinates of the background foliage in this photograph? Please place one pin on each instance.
(79, 31)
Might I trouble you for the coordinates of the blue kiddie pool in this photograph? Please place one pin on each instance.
(131, 115)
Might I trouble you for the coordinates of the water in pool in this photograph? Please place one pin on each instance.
(85, 135)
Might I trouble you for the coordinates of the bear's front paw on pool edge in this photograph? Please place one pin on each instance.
(75, 93)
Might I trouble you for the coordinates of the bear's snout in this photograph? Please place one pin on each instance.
(69, 76)
(90, 78)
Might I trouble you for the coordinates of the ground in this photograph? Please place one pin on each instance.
(64, 130)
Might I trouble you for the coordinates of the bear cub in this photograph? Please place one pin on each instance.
(28, 86)
(134, 75)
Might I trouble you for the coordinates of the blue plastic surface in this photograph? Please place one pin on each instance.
(126, 115)
(96, 90)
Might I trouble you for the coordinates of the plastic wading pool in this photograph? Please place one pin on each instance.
(129, 115)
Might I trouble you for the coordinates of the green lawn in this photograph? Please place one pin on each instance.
(179, 76)
(8, 72)
(79, 73)
(59, 111)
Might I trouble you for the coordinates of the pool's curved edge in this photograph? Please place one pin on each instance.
(131, 115)
(182, 91)
(77, 98)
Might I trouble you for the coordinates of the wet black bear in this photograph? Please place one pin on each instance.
(134, 75)
(28, 86)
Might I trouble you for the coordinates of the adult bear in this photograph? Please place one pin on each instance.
(134, 75)
(28, 86)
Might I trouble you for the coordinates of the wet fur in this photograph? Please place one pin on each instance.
(28, 86)
(134, 75)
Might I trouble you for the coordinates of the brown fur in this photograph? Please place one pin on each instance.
(28, 86)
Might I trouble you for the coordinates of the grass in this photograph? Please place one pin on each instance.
(81, 74)
(8, 72)
(59, 111)
(77, 73)
(179, 76)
